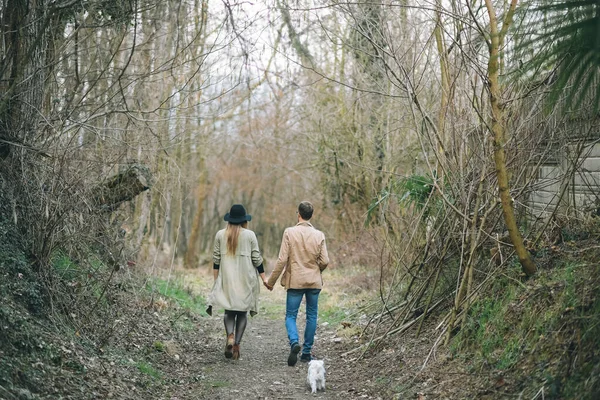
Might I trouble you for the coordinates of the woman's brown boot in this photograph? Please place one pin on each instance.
(236, 351)
(229, 346)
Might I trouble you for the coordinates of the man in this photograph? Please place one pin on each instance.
(302, 258)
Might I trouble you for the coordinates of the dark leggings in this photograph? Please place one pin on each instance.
(237, 319)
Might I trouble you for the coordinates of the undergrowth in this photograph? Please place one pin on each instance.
(542, 333)
(95, 321)
(177, 292)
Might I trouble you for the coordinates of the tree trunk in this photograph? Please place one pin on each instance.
(445, 90)
(191, 257)
(368, 43)
(25, 28)
(499, 131)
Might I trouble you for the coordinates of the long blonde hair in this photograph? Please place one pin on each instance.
(232, 233)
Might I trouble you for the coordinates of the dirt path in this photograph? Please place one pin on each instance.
(201, 370)
(262, 371)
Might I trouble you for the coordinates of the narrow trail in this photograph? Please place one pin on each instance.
(262, 371)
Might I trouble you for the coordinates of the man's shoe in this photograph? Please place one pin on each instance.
(306, 358)
(293, 357)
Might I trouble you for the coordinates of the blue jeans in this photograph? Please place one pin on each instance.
(292, 304)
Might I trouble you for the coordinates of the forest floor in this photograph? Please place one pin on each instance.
(166, 348)
(183, 356)
(535, 340)
(262, 371)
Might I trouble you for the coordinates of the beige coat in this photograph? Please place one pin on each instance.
(302, 258)
(238, 284)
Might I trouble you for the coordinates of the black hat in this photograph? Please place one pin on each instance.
(237, 215)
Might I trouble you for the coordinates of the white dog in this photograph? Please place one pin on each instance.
(316, 375)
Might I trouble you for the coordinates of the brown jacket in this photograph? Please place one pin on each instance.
(302, 258)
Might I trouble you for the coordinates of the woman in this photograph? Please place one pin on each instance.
(237, 266)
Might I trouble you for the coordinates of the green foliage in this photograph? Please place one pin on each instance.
(65, 267)
(413, 190)
(416, 190)
(16, 329)
(488, 327)
(17, 276)
(158, 346)
(218, 384)
(510, 354)
(147, 369)
(563, 40)
(272, 310)
(78, 276)
(332, 315)
(549, 322)
(183, 297)
(588, 373)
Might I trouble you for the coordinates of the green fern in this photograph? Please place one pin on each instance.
(410, 190)
(416, 190)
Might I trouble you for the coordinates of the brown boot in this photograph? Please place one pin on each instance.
(236, 351)
(229, 346)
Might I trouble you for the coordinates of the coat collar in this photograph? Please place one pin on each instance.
(304, 223)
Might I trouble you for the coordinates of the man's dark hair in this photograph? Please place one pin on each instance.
(305, 209)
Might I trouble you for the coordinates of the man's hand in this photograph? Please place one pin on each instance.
(266, 283)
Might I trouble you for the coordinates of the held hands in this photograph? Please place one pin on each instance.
(266, 283)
